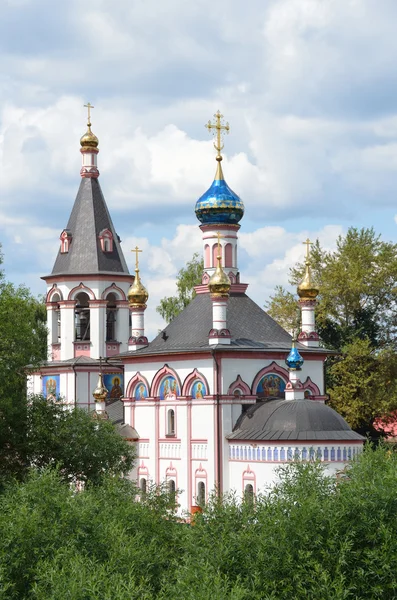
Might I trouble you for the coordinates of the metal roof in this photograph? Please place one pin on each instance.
(250, 326)
(89, 217)
(292, 420)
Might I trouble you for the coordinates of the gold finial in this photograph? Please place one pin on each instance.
(100, 393)
(218, 133)
(307, 289)
(89, 139)
(89, 106)
(219, 284)
(137, 294)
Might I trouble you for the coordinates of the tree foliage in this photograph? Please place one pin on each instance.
(187, 278)
(311, 537)
(82, 448)
(23, 341)
(356, 316)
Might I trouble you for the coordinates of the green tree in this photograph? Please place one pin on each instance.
(355, 315)
(363, 384)
(283, 308)
(23, 341)
(187, 278)
(358, 292)
(82, 448)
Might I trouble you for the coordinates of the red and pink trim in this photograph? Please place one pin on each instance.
(191, 379)
(158, 378)
(272, 368)
(239, 385)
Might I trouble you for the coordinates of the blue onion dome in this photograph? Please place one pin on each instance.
(219, 204)
(294, 361)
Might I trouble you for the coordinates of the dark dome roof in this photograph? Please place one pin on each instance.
(292, 420)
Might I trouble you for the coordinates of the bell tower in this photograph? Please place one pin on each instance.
(87, 306)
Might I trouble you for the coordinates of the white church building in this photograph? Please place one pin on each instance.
(223, 395)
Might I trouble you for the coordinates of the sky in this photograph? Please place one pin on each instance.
(309, 88)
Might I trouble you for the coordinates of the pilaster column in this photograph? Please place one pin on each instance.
(67, 309)
(97, 327)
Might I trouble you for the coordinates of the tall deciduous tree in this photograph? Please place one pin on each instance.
(82, 448)
(23, 341)
(355, 315)
(187, 278)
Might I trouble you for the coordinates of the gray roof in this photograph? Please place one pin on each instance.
(88, 218)
(292, 420)
(250, 326)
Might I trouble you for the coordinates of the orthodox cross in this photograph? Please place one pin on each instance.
(218, 131)
(219, 236)
(308, 243)
(136, 250)
(89, 106)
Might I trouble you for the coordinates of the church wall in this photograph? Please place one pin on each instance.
(255, 464)
(183, 368)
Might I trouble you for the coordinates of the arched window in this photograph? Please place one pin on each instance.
(82, 318)
(228, 255)
(143, 485)
(171, 487)
(201, 493)
(171, 422)
(207, 256)
(56, 320)
(214, 255)
(111, 311)
(249, 493)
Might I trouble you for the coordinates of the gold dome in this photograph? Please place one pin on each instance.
(307, 289)
(137, 294)
(219, 284)
(89, 139)
(100, 393)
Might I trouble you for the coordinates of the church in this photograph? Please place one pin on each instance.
(223, 395)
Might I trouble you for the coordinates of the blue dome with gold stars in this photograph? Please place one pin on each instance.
(219, 204)
(294, 361)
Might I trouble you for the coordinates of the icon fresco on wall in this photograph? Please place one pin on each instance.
(198, 390)
(169, 389)
(271, 386)
(140, 392)
(51, 387)
(114, 383)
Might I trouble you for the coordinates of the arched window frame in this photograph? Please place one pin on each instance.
(106, 240)
(171, 429)
(66, 240)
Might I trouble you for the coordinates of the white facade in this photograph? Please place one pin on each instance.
(183, 438)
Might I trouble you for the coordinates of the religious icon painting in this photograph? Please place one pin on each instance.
(169, 389)
(51, 387)
(114, 383)
(271, 386)
(140, 392)
(198, 389)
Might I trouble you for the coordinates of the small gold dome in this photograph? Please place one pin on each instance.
(137, 294)
(100, 393)
(219, 284)
(89, 139)
(307, 289)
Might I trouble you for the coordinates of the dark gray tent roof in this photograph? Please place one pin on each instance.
(88, 218)
(292, 420)
(250, 326)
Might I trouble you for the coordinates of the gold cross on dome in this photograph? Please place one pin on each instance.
(219, 129)
(89, 106)
(308, 243)
(136, 250)
(220, 237)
